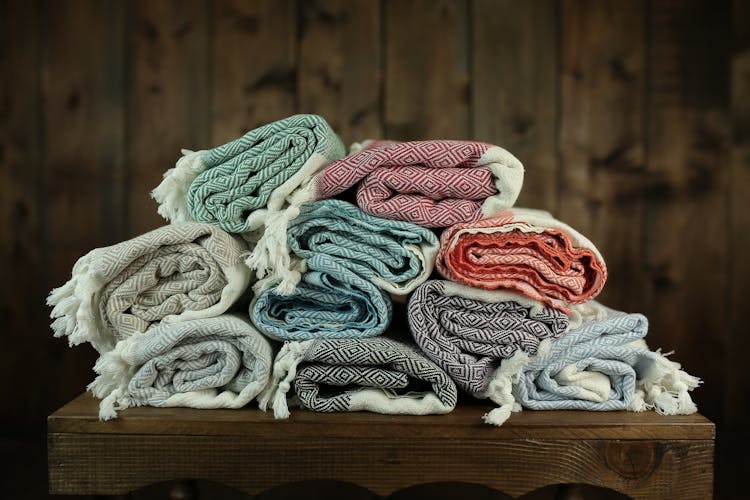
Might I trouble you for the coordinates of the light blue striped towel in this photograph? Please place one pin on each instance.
(331, 301)
(603, 365)
(220, 362)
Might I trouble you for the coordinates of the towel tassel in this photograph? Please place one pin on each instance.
(284, 371)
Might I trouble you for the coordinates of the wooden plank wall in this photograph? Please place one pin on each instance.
(632, 118)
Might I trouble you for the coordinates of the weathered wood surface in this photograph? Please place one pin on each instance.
(641, 455)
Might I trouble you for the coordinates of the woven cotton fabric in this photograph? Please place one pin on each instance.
(397, 256)
(220, 362)
(469, 333)
(434, 183)
(603, 365)
(171, 274)
(526, 251)
(331, 301)
(227, 185)
(376, 374)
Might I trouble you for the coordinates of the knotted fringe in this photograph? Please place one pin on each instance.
(663, 387)
(115, 369)
(284, 371)
(500, 389)
(171, 193)
(73, 313)
(271, 258)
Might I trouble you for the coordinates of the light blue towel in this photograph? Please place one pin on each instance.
(603, 365)
(331, 301)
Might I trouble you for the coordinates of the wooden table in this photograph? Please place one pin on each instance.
(643, 455)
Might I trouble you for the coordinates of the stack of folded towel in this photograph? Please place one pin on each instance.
(259, 251)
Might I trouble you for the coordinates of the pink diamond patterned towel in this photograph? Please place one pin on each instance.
(434, 183)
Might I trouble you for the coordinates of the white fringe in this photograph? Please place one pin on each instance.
(271, 258)
(284, 371)
(73, 312)
(171, 193)
(500, 389)
(665, 388)
(115, 369)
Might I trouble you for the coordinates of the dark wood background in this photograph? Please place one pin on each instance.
(631, 117)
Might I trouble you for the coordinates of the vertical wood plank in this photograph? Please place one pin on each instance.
(602, 137)
(514, 89)
(82, 92)
(340, 65)
(169, 96)
(24, 322)
(427, 91)
(686, 211)
(254, 65)
(733, 468)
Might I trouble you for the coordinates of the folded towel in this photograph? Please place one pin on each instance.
(527, 251)
(238, 185)
(174, 273)
(331, 301)
(376, 374)
(397, 256)
(603, 365)
(220, 362)
(467, 331)
(431, 183)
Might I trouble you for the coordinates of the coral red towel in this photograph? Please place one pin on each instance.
(527, 251)
(431, 183)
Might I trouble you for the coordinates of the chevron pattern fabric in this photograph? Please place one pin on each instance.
(375, 374)
(468, 337)
(526, 251)
(603, 365)
(220, 362)
(431, 183)
(331, 301)
(170, 274)
(395, 255)
(226, 185)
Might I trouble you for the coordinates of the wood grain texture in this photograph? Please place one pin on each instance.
(427, 89)
(602, 152)
(688, 128)
(81, 416)
(21, 212)
(254, 61)
(83, 168)
(736, 406)
(340, 74)
(111, 464)
(169, 96)
(514, 89)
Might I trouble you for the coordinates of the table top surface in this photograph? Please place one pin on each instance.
(81, 416)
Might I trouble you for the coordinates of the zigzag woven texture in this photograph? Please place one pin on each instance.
(431, 183)
(395, 255)
(468, 337)
(352, 365)
(174, 273)
(527, 251)
(331, 301)
(226, 184)
(220, 362)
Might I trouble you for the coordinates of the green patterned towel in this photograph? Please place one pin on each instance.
(397, 256)
(237, 186)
